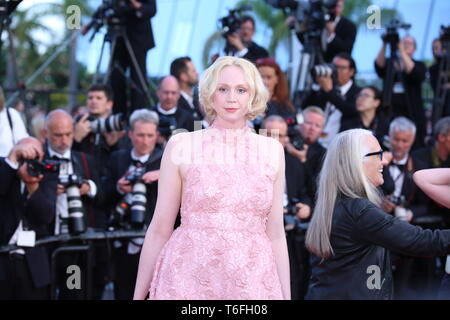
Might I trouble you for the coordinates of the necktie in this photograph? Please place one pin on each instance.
(56, 158)
(400, 167)
(137, 163)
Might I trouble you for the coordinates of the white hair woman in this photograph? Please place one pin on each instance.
(349, 234)
(231, 242)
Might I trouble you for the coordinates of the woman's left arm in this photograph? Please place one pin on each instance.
(275, 227)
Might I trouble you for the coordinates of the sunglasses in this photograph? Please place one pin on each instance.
(377, 153)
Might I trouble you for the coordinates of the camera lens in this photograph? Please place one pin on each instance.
(138, 205)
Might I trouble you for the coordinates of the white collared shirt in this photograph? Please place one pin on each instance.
(9, 138)
(166, 112)
(65, 169)
(397, 175)
(333, 117)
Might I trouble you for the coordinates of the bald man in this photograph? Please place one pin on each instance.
(26, 214)
(170, 116)
(59, 134)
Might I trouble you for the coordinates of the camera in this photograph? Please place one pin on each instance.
(291, 221)
(311, 15)
(296, 138)
(75, 223)
(115, 122)
(129, 213)
(392, 37)
(324, 70)
(36, 167)
(232, 22)
(398, 201)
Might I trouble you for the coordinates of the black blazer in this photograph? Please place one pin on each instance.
(36, 212)
(379, 125)
(183, 104)
(138, 25)
(347, 104)
(361, 236)
(117, 166)
(296, 179)
(343, 41)
(416, 200)
(255, 52)
(181, 118)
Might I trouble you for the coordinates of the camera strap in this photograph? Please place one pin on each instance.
(87, 173)
(10, 125)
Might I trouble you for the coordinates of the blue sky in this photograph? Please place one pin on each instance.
(181, 27)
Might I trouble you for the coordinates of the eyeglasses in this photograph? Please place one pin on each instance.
(377, 153)
(364, 95)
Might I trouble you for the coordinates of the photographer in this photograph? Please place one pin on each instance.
(136, 15)
(240, 43)
(26, 215)
(312, 153)
(124, 164)
(439, 54)
(406, 91)
(98, 144)
(336, 95)
(339, 35)
(407, 202)
(59, 133)
(171, 117)
(297, 206)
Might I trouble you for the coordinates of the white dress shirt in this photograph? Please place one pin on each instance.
(9, 138)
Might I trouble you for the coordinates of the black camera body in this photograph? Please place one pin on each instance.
(115, 122)
(291, 221)
(129, 213)
(392, 36)
(296, 138)
(232, 22)
(398, 201)
(36, 167)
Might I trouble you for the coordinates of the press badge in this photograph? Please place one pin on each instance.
(26, 238)
(398, 88)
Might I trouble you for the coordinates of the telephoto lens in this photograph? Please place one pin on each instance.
(138, 205)
(115, 122)
(75, 205)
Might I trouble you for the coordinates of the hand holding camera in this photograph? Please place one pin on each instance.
(82, 128)
(25, 149)
(235, 41)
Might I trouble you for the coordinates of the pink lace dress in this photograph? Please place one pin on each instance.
(221, 250)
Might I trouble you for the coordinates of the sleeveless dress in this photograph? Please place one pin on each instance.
(221, 250)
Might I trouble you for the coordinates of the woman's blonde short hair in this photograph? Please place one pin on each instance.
(258, 92)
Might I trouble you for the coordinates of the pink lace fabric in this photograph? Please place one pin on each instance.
(221, 250)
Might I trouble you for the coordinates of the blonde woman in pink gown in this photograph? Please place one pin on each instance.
(229, 183)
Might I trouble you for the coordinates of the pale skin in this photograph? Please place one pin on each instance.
(435, 183)
(171, 176)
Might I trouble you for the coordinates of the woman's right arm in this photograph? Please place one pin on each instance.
(166, 210)
(435, 183)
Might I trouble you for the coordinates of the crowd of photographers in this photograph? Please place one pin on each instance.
(96, 169)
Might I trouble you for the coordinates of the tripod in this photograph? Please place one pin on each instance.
(114, 34)
(441, 93)
(310, 56)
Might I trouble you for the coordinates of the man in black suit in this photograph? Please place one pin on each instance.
(59, 133)
(406, 201)
(137, 15)
(295, 194)
(406, 91)
(171, 117)
(26, 214)
(184, 70)
(241, 44)
(339, 35)
(337, 98)
(144, 154)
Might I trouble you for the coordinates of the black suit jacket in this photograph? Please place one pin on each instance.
(138, 26)
(416, 200)
(36, 213)
(379, 125)
(296, 180)
(118, 165)
(347, 104)
(255, 52)
(195, 113)
(181, 119)
(313, 165)
(343, 41)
